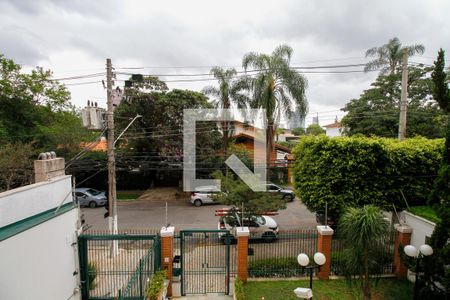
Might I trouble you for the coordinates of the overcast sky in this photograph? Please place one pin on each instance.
(75, 37)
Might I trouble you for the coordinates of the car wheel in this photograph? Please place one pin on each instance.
(198, 202)
(289, 198)
(92, 204)
(269, 237)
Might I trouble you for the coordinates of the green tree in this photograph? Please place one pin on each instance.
(230, 91)
(376, 111)
(364, 232)
(298, 131)
(237, 193)
(315, 129)
(388, 57)
(15, 165)
(275, 88)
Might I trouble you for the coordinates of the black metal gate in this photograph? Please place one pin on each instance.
(205, 261)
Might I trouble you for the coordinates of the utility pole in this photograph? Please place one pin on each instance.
(404, 97)
(112, 196)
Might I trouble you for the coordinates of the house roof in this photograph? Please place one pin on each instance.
(250, 137)
(334, 125)
(101, 145)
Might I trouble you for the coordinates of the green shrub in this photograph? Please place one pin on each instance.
(274, 267)
(239, 290)
(356, 171)
(92, 274)
(156, 285)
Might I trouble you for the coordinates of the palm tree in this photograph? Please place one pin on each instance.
(389, 56)
(364, 231)
(276, 88)
(230, 90)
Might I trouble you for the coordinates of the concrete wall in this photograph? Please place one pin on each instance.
(422, 228)
(39, 263)
(38, 249)
(27, 201)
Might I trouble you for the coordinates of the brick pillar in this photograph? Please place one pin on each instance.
(402, 238)
(242, 252)
(167, 254)
(45, 169)
(324, 237)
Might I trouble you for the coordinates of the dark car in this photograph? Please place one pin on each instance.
(286, 194)
(320, 219)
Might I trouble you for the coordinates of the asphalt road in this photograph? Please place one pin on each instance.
(149, 213)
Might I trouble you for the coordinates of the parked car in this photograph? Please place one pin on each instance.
(320, 219)
(90, 197)
(260, 227)
(286, 194)
(203, 195)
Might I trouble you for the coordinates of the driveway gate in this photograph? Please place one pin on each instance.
(205, 261)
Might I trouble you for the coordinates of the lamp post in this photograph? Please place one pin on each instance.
(411, 251)
(303, 260)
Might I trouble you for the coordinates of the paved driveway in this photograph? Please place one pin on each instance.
(149, 212)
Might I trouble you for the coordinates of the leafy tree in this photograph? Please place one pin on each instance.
(389, 56)
(376, 111)
(15, 165)
(237, 193)
(35, 108)
(230, 91)
(275, 88)
(315, 129)
(298, 131)
(364, 232)
(157, 137)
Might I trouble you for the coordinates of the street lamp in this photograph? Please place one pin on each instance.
(303, 260)
(417, 254)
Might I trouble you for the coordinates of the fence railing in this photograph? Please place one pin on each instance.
(384, 254)
(278, 258)
(103, 274)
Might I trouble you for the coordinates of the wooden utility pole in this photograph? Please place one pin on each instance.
(404, 97)
(112, 196)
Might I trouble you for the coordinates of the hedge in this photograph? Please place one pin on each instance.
(358, 170)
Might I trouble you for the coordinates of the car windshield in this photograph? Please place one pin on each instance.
(260, 220)
(93, 192)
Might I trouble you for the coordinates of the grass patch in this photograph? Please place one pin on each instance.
(426, 212)
(128, 195)
(386, 289)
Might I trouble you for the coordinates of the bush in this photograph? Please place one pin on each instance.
(156, 285)
(356, 171)
(239, 290)
(274, 267)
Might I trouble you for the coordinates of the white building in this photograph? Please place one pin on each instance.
(334, 129)
(38, 237)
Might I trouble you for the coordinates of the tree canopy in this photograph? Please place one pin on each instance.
(376, 111)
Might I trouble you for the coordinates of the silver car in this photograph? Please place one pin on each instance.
(203, 195)
(90, 197)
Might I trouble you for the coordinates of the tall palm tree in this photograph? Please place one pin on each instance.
(364, 231)
(230, 91)
(276, 88)
(389, 56)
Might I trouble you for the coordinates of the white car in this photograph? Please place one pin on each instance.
(203, 195)
(260, 227)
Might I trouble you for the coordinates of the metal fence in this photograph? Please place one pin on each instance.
(103, 274)
(384, 253)
(278, 258)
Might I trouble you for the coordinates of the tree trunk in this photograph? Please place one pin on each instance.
(270, 143)
(366, 285)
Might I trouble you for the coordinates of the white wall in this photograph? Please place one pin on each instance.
(27, 201)
(332, 132)
(422, 228)
(38, 263)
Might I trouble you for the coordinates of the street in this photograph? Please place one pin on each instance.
(148, 212)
